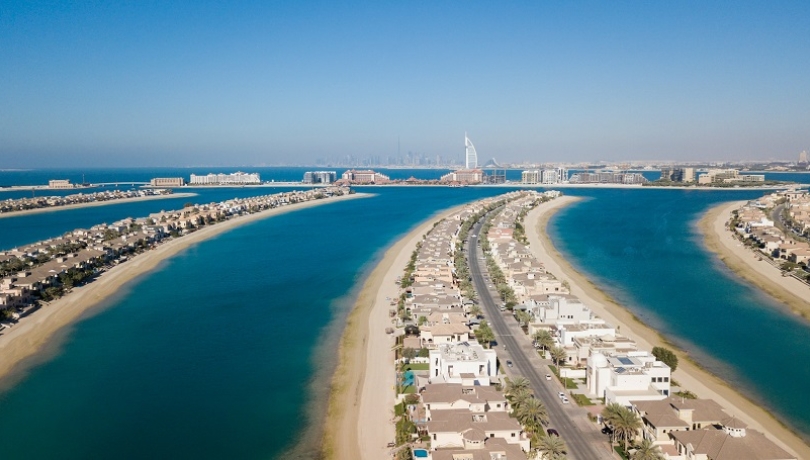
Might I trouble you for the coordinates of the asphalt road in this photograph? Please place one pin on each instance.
(583, 439)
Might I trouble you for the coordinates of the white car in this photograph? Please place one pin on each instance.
(548, 376)
(561, 394)
(565, 400)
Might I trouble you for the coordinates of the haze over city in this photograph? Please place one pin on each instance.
(209, 83)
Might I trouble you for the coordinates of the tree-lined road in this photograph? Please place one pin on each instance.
(583, 439)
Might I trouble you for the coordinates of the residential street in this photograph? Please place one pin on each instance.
(584, 440)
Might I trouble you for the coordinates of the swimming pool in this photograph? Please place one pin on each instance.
(420, 453)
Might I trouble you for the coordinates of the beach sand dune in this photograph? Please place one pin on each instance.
(689, 375)
(33, 333)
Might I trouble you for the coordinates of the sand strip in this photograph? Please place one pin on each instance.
(359, 421)
(688, 374)
(93, 204)
(32, 333)
(746, 263)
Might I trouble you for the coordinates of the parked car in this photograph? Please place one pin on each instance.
(509, 363)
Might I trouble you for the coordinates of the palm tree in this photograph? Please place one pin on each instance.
(609, 414)
(523, 317)
(558, 355)
(646, 450)
(544, 339)
(475, 310)
(484, 334)
(550, 447)
(532, 415)
(519, 398)
(624, 421)
(515, 384)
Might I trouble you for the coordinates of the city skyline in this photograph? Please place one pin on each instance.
(256, 84)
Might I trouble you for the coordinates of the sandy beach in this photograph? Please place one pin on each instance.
(359, 421)
(33, 333)
(94, 204)
(689, 375)
(744, 262)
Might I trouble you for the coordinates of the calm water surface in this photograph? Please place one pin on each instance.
(216, 353)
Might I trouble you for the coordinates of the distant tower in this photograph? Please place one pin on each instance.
(471, 156)
(803, 157)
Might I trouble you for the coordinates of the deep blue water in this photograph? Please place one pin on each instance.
(30, 228)
(211, 355)
(217, 352)
(646, 251)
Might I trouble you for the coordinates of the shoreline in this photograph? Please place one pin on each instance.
(358, 422)
(92, 204)
(22, 342)
(689, 374)
(742, 261)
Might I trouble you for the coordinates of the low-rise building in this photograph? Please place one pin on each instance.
(167, 182)
(364, 177)
(731, 440)
(467, 363)
(635, 376)
(464, 176)
(60, 184)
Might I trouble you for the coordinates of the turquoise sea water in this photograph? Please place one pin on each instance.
(213, 354)
(646, 251)
(219, 352)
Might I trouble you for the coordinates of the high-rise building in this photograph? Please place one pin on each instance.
(319, 177)
(471, 156)
(545, 176)
(803, 157)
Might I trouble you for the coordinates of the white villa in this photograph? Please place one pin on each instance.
(467, 363)
(635, 376)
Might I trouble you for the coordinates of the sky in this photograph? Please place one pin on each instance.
(152, 83)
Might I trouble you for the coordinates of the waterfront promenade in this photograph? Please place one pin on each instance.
(689, 375)
(35, 333)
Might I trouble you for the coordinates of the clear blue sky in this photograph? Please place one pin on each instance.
(246, 83)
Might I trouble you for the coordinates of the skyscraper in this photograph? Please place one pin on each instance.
(471, 156)
(803, 157)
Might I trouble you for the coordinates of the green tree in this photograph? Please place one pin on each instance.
(543, 339)
(550, 448)
(666, 356)
(646, 450)
(516, 384)
(558, 355)
(532, 415)
(625, 422)
(523, 317)
(409, 353)
(518, 398)
(484, 334)
(475, 310)
(422, 320)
